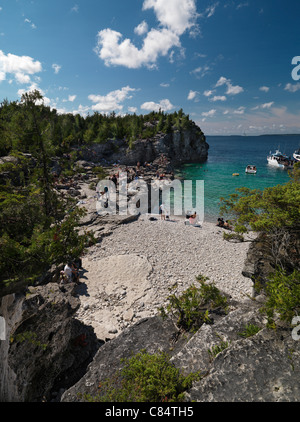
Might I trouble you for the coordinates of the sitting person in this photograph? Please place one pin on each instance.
(71, 272)
(220, 222)
(193, 218)
(227, 225)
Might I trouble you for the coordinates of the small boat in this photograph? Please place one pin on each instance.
(277, 159)
(296, 155)
(251, 169)
(236, 174)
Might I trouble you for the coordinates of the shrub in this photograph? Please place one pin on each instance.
(250, 330)
(283, 296)
(145, 378)
(218, 348)
(192, 308)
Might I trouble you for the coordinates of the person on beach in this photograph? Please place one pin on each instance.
(162, 211)
(193, 218)
(220, 222)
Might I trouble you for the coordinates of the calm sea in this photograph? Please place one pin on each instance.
(231, 154)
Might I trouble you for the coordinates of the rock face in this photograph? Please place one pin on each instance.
(44, 346)
(151, 334)
(261, 368)
(179, 147)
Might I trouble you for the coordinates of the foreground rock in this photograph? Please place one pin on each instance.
(45, 347)
(261, 368)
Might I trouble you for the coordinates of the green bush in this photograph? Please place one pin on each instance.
(145, 378)
(249, 330)
(283, 296)
(193, 307)
(218, 348)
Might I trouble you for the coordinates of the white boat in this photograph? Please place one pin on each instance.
(277, 159)
(296, 155)
(251, 169)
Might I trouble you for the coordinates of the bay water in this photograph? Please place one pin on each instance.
(231, 154)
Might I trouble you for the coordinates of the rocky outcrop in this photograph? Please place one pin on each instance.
(178, 146)
(44, 347)
(151, 334)
(262, 368)
(279, 248)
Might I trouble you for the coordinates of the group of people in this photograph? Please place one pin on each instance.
(70, 273)
(224, 224)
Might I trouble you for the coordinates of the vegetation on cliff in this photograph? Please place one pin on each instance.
(274, 214)
(63, 131)
(38, 224)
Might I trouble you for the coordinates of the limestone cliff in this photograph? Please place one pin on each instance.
(178, 146)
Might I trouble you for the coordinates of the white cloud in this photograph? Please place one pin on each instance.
(264, 88)
(192, 95)
(292, 87)
(112, 101)
(234, 90)
(21, 67)
(141, 29)
(208, 93)
(218, 98)
(231, 89)
(71, 98)
(200, 71)
(56, 68)
(222, 81)
(240, 110)
(113, 51)
(164, 105)
(210, 11)
(75, 8)
(209, 113)
(175, 17)
(33, 26)
(267, 105)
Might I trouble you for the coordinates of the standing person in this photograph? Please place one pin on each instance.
(162, 210)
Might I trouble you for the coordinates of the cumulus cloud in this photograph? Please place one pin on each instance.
(71, 98)
(231, 89)
(218, 98)
(111, 101)
(264, 88)
(113, 51)
(141, 29)
(56, 68)
(21, 67)
(192, 95)
(174, 16)
(292, 87)
(164, 105)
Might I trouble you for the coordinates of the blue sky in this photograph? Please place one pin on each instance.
(228, 64)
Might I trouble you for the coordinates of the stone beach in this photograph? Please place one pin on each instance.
(127, 276)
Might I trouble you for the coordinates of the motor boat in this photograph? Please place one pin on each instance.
(277, 159)
(251, 169)
(296, 155)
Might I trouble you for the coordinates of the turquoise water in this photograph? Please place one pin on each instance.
(231, 154)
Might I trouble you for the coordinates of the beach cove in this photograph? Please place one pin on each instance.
(128, 275)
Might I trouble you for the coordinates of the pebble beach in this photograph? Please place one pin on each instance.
(128, 275)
